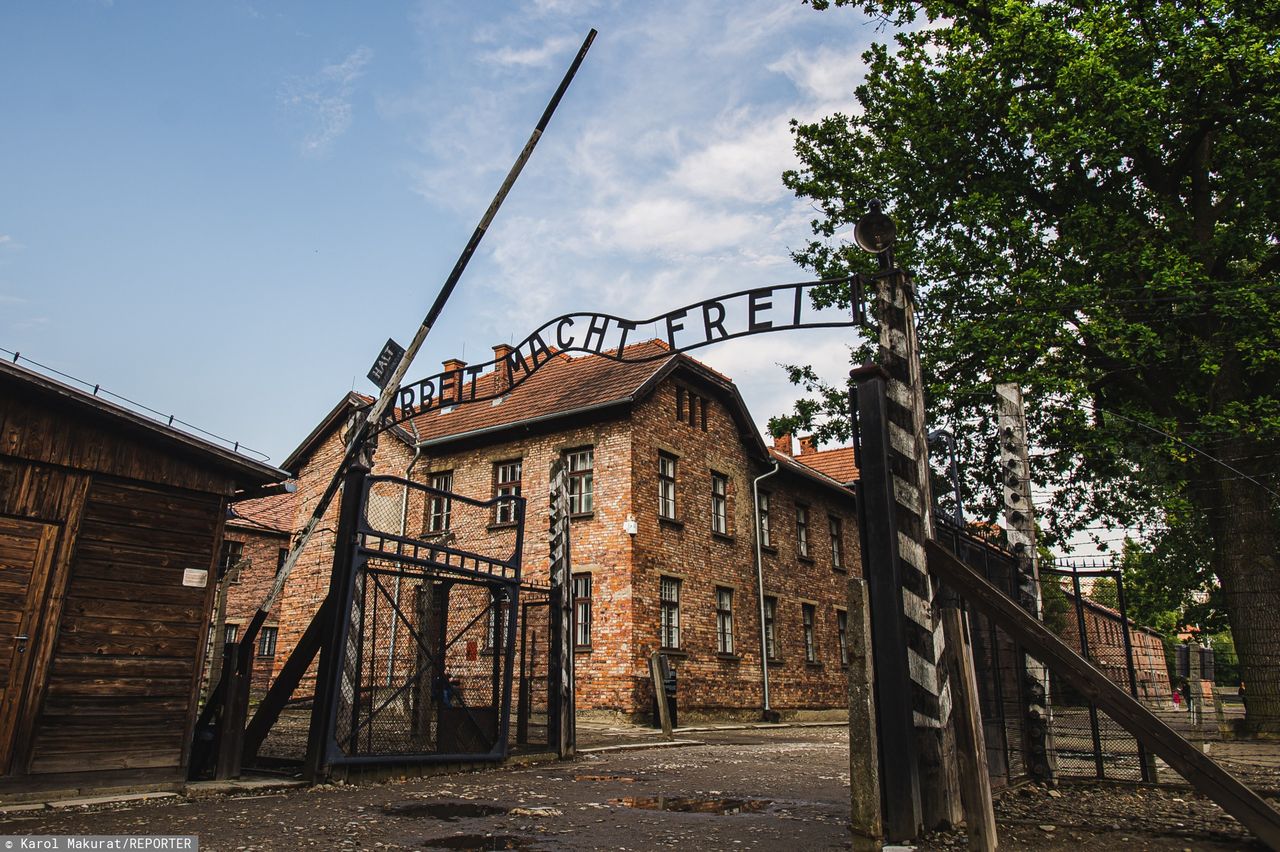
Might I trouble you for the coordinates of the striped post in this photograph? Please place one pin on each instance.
(912, 504)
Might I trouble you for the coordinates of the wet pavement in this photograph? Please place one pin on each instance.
(760, 787)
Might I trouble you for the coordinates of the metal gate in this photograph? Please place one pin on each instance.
(425, 646)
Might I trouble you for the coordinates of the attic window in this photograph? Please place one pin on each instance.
(447, 409)
(497, 401)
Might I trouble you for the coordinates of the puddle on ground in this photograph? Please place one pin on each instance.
(477, 842)
(622, 779)
(722, 807)
(448, 811)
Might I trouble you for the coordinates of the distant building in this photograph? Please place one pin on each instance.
(254, 546)
(1104, 632)
(665, 448)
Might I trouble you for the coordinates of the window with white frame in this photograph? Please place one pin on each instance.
(666, 486)
(506, 483)
(670, 602)
(440, 506)
(765, 537)
(842, 635)
(581, 465)
(808, 611)
(267, 642)
(582, 610)
(837, 542)
(802, 530)
(719, 503)
(724, 620)
(771, 627)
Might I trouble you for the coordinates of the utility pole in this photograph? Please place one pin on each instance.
(1020, 528)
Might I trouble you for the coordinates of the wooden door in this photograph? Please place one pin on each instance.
(26, 552)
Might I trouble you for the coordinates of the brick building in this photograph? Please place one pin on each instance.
(255, 542)
(1104, 632)
(663, 454)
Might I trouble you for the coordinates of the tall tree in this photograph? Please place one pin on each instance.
(1089, 192)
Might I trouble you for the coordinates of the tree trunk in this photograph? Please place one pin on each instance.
(1245, 546)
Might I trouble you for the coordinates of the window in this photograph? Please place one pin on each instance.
(724, 620)
(765, 539)
(802, 530)
(232, 551)
(770, 627)
(581, 481)
(719, 503)
(666, 486)
(230, 632)
(810, 648)
(506, 477)
(267, 642)
(842, 635)
(837, 542)
(495, 627)
(281, 555)
(440, 506)
(582, 610)
(670, 597)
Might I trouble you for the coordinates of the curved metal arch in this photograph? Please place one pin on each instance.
(758, 310)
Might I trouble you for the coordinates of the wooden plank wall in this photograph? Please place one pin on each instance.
(123, 674)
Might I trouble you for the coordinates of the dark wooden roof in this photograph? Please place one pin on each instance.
(34, 386)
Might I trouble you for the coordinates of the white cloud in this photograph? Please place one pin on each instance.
(745, 164)
(826, 76)
(8, 242)
(532, 57)
(326, 99)
(670, 225)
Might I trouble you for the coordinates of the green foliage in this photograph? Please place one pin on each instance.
(1089, 196)
(1105, 592)
(1056, 608)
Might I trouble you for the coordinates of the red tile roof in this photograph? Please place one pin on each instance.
(561, 385)
(276, 513)
(836, 463)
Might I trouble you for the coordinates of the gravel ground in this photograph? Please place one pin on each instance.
(782, 788)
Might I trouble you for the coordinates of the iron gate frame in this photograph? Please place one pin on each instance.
(432, 560)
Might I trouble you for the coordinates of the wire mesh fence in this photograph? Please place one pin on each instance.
(439, 635)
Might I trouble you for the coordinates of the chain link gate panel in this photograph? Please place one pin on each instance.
(428, 627)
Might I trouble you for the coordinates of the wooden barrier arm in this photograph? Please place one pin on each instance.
(1202, 773)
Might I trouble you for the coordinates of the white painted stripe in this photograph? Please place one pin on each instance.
(916, 608)
(906, 494)
(900, 394)
(944, 704)
(902, 440)
(922, 721)
(912, 552)
(923, 672)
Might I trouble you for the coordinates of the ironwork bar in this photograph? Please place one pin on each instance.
(1099, 768)
(1143, 768)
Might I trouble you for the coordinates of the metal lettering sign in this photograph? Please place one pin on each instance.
(725, 317)
(388, 360)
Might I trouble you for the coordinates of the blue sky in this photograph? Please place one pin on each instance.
(222, 210)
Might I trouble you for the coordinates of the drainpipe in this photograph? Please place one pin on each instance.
(764, 644)
(404, 527)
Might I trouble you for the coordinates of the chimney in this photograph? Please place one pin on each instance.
(782, 443)
(501, 373)
(453, 365)
(808, 444)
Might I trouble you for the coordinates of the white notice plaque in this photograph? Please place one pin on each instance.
(195, 577)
